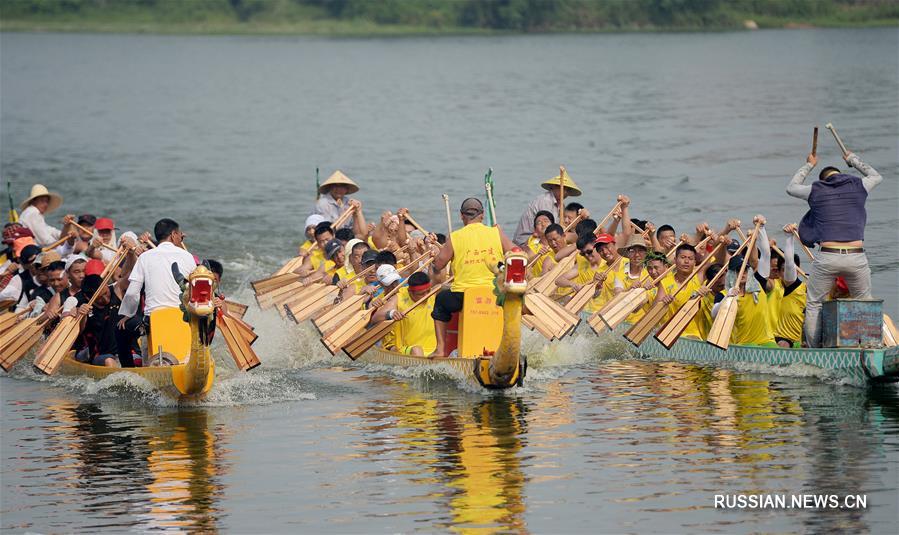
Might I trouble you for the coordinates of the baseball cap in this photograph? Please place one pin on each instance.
(605, 238)
(313, 220)
(388, 275)
(87, 220)
(29, 252)
(94, 267)
(733, 246)
(104, 223)
(369, 257)
(332, 248)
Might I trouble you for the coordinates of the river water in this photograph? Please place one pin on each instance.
(223, 134)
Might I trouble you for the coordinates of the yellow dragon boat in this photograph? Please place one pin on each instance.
(183, 366)
(488, 344)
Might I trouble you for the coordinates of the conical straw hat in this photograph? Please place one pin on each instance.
(632, 240)
(571, 189)
(339, 178)
(39, 190)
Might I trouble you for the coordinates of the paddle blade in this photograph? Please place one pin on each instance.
(50, 355)
(338, 314)
(890, 334)
(723, 326)
(643, 328)
(235, 309)
(305, 309)
(597, 324)
(347, 331)
(671, 331)
(17, 341)
(365, 340)
(631, 302)
(236, 341)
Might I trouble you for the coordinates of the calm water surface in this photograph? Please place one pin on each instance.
(223, 135)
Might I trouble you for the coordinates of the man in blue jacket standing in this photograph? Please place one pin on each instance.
(835, 220)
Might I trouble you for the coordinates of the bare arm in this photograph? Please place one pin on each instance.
(444, 256)
(566, 279)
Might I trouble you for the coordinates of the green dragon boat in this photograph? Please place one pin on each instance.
(858, 365)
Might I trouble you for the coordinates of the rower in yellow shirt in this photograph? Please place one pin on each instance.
(685, 263)
(594, 270)
(752, 326)
(632, 273)
(559, 249)
(471, 250)
(414, 329)
(315, 258)
(537, 243)
(788, 327)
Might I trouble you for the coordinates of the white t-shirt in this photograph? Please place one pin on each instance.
(153, 273)
(33, 219)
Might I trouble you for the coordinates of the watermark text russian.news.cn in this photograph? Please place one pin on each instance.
(791, 501)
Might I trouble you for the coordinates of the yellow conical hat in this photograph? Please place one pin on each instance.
(339, 178)
(571, 189)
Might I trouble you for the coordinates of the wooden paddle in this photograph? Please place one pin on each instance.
(561, 194)
(362, 343)
(415, 224)
(643, 328)
(351, 328)
(238, 345)
(815, 142)
(297, 261)
(608, 216)
(307, 304)
(836, 136)
(808, 252)
(60, 341)
(579, 301)
(9, 319)
(344, 310)
(635, 297)
(890, 334)
(18, 340)
(674, 327)
(88, 231)
(723, 325)
(235, 309)
(57, 243)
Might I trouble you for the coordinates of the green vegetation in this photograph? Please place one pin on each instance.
(400, 17)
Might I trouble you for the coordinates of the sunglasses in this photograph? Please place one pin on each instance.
(588, 252)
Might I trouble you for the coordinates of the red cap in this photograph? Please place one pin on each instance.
(605, 238)
(104, 223)
(93, 267)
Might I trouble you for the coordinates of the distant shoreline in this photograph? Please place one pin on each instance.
(332, 28)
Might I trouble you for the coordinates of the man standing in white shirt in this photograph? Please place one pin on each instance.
(153, 274)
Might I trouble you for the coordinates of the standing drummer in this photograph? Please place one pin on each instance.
(836, 220)
(549, 201)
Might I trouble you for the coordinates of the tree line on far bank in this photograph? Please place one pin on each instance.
(508, 15)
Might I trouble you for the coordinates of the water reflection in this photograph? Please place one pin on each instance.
(470, 453)
(145, 471)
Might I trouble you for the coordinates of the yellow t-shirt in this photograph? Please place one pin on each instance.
(585, 275)
(705, 314)
(475, 246)
(306, 245)
(534, 244)
(670, 284)
(792, 315)
(774, 298)
(416, 328)
(624, 281)
(751, 326)
(608, 285)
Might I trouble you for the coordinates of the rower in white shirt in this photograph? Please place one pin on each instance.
(153, 273)
(40, 202)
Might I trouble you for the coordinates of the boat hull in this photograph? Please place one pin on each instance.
(169, 380)
(858, 365)
(472, 368)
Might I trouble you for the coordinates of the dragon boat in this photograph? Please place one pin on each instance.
(858, 365)
(182, 366)
(484, 339)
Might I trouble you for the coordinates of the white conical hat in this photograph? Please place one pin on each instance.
(40, 190)
(339, 178)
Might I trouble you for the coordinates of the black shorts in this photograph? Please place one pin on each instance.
(445, 304)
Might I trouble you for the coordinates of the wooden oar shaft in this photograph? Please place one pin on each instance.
(609, 215)
(57, 243)
(88, 231)
(449, 219)
(415, 224)
(752, 240)
(815, 142)
(806, 249)
(561, 193)
(836, 136)
(120, 253)
(721, 272)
